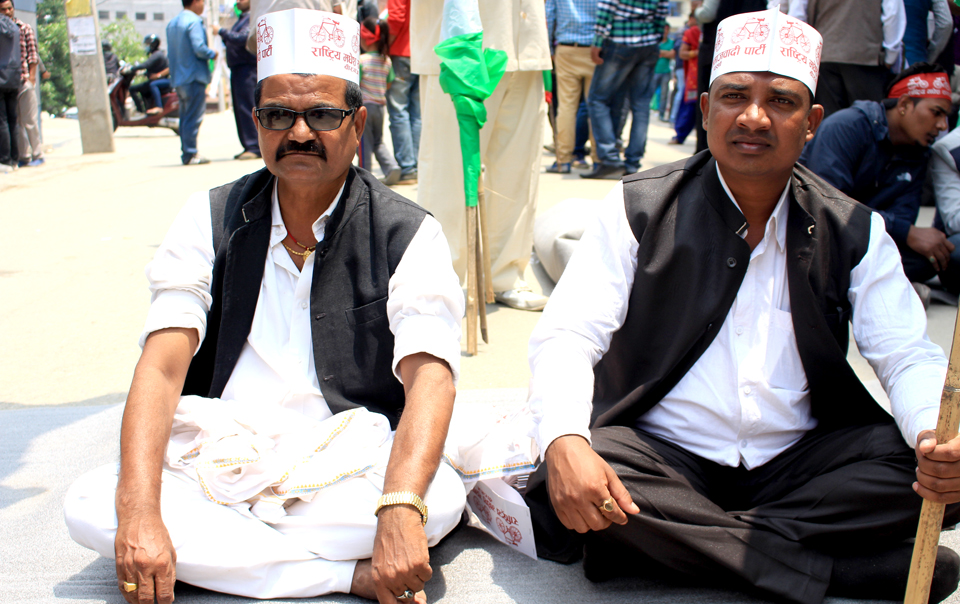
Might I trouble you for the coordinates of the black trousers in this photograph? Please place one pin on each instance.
(8, 126)
(775, 529)
(841, 84)
(243, 82)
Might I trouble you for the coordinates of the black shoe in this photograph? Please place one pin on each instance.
(605, 171)
(883, 576)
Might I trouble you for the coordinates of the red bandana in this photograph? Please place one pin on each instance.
(923, 85)
(370, 38)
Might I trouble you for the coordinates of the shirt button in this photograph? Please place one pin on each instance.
(739, 331)
(523, 15)
(747, 390)
(303, 305)
(731, 262)
(743, 443)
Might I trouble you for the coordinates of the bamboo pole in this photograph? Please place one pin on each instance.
(472, 280)
(484, 238)
(931, 514)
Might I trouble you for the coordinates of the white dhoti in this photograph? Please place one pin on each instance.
(260, 513)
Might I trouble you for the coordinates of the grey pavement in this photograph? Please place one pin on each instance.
(74, 240)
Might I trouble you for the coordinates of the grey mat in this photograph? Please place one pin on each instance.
(45, 448)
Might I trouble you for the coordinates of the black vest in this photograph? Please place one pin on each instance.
(365, 239)
(691, 262)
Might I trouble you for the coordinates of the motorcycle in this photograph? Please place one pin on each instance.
(124, 112)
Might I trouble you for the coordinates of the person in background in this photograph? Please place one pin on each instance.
(689, 50)
(570, 25)
(663, 72)
(190, 74)
(10, 79)
(877, 153)
(374, 81)
(918, 46)
(157, 69)
(111, 64)
(28, 117)
(243, 80)
(403, 97)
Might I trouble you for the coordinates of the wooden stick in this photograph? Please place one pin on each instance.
(488, 276)
(931, 514)
(472, 280)
(481, 278)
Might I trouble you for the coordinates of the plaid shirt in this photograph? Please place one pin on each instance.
(571, 21)
(28, 49)
(631, 22)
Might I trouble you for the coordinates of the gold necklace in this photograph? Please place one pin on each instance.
(301, 254)
(309, 249)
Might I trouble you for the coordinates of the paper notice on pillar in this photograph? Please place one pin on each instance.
(83, 35)
(499, 509)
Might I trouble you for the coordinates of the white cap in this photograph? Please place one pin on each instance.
(308, 41)
(771, 41)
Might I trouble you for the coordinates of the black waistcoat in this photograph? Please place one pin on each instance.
(364, 241)
(691, 262)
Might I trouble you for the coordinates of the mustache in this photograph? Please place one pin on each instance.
(308, 148)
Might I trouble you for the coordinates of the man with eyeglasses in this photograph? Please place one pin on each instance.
(296, 313)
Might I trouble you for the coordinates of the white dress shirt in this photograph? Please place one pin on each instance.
(276, 365)
(746, 399)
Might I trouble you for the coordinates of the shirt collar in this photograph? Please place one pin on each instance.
(777, 223)
(279, 230)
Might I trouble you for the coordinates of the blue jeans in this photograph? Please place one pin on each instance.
(663, 85)
(686, 119)
(583, 131)
(403, 106)
(677, 96)
(627, 71)
(193, 104)
(155, 86)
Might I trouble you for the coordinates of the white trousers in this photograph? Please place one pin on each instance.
(311, 551)
(510, 148)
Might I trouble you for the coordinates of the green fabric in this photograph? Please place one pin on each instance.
(548, 80)
(469, 74)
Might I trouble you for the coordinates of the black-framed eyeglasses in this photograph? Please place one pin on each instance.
(318, 118)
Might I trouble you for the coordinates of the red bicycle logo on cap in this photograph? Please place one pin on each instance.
(716, 47)
(355, 44)
(793, 34)
(264, 32)
(754, 29)
(328, 30)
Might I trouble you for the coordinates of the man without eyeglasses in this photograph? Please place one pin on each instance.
(296, 313)
(698, 416)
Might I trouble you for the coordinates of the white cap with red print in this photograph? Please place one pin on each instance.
(300, 40)
(768, 41)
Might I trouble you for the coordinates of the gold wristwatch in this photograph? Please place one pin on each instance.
(403, 498)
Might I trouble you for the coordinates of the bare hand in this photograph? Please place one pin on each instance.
(932, 244)
(595, 55)
(579, 482)
(145, 556)
(401, 560)
(938, 468)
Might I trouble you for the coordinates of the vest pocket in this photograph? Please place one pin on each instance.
(367, 313)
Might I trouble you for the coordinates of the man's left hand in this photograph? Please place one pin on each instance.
(938, 468)
(401, 559)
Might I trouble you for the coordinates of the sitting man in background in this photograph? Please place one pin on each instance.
(945, 174)
(296, 313)
(696, 410)
(877, 153)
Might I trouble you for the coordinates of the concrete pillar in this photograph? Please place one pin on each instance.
(89, 77)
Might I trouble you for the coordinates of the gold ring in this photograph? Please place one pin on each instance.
(607, 505)
(128, 587)
(406, 596)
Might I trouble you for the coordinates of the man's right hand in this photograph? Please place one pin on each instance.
(595, 55)
(579, 481)
(932, 244)
(145, 556)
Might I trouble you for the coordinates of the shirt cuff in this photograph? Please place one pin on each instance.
(175, 308)
(554, 426)
(429, 334)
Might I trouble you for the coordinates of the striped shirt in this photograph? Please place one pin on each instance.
(374, 69)
(28, 49)
(631, 22)
(571, 21)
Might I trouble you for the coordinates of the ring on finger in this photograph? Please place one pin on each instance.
(606, 506)
(932, 259)
(128, 586)
(406, 596)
